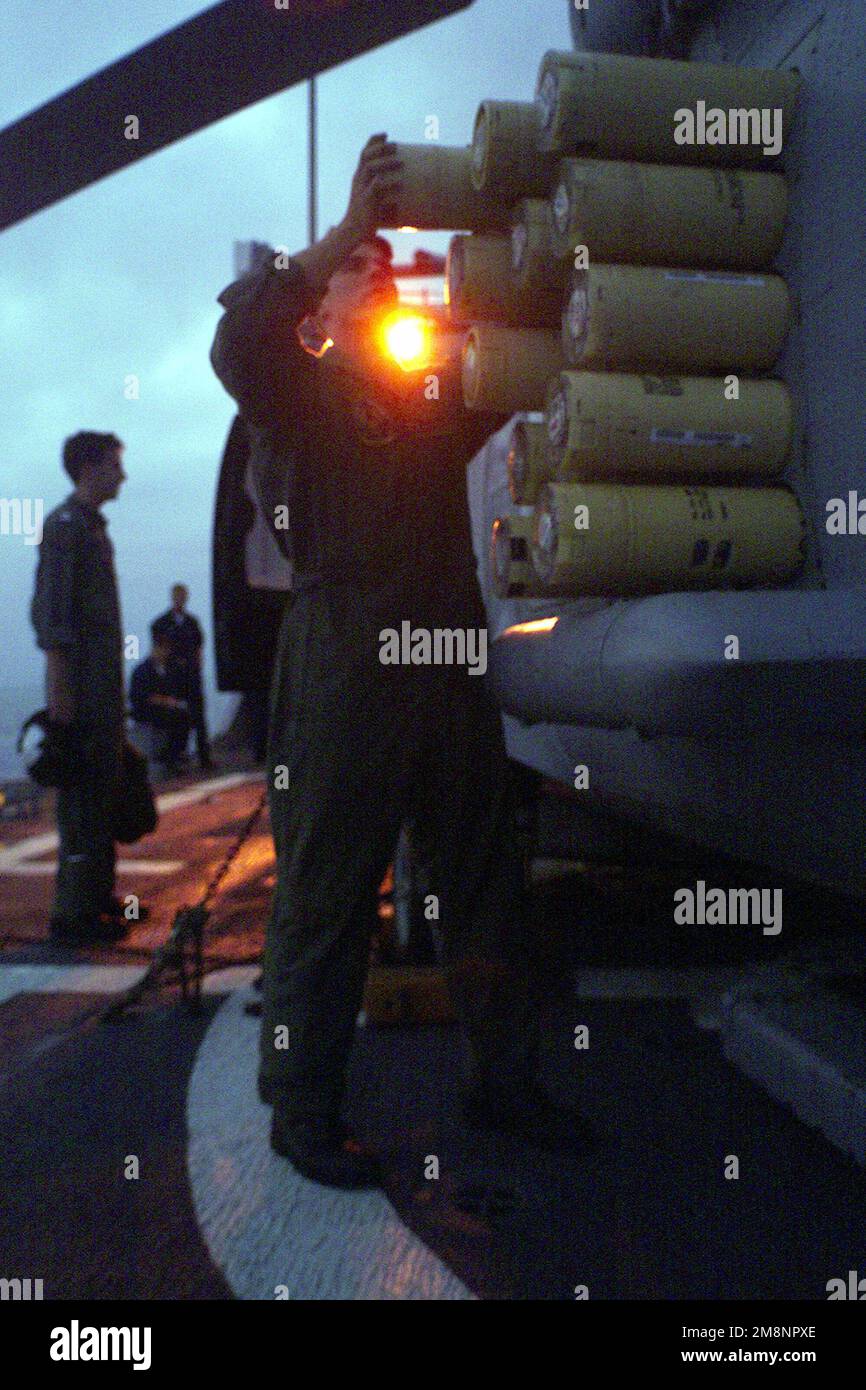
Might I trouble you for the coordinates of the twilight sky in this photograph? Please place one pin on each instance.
(122, 277)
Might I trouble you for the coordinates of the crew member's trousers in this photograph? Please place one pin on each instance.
(198, 719)
(85, 816)
(356, 749)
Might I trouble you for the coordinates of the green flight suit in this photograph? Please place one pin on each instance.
(75, 608)
(373, 471)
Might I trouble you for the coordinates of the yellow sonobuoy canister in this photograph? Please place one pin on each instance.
(534, 263)
(606, 539)
(661, 214)
(527, 458)
(507, 369)
(617, 107)
(435, 192)
(615, 424)
(505, 154)
(479, 285)
(511, 565)
(655, 317)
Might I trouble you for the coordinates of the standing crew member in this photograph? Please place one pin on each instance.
(184, 635)
(371, 463)
(76, 614)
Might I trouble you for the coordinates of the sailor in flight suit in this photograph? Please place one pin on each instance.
(76, 616)
(371, 463)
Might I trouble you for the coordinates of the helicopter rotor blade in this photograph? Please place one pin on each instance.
(231, 55)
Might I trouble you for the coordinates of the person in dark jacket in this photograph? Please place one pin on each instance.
(185, 639)
(368, 462)
(76, 616)
(160, 708)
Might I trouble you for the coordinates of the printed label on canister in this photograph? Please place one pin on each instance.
(662, 385)
(715, 277)
(718, 558)
(546, 531)
(712, 438)
(519, 238)
(479, 144)
(577, 317)
(557, 419)
(546, 100)
(562, 208)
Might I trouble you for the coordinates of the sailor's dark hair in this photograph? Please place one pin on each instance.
(379, 244)
(85, 448)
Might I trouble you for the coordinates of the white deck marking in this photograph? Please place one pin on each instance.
(265, 1226)
(43, 868)
(66, 979)
(22, 859)
(169, 801)
(232, 977)
(104, 979)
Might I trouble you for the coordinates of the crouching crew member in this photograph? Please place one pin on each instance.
(372, 469)
(158, 698)
(76, 615)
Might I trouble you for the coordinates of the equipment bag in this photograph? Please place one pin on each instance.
(135, 811)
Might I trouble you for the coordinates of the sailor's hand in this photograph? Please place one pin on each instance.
(374, 185)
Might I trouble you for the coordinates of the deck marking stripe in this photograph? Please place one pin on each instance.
(170, 801)
(104, 979)
(66, 979)
(43, 868)
(18, 859)
(265, 1226)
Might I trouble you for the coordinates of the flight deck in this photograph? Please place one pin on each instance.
(169, 1095)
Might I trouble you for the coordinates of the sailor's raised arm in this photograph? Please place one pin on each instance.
(257, 352)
